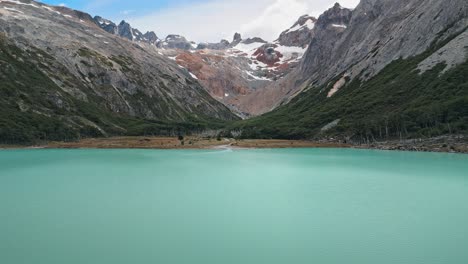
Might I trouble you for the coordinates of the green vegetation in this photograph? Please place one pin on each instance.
(399, 102)
(87, 53)
(33, 109)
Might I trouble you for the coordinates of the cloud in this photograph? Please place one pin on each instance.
(127, 12)
(282, 14)
(216, 19)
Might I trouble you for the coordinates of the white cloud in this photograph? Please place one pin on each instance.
(211, 21)
(127, 12)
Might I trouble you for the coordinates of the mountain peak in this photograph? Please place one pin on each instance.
(299, 34)
(337, 16)
(337, 5)
(123, 22)
(125, 30)
(237, 37)
(174, 41)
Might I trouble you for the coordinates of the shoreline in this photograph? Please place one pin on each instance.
(446, 144)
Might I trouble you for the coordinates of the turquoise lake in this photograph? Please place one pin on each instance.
(288, 206)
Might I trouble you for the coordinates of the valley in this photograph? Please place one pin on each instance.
(384, 71)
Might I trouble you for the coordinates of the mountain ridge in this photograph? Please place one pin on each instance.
(91, 79)
(395, 71)
(384, 70)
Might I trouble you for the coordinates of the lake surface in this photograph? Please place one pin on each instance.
(288, 206)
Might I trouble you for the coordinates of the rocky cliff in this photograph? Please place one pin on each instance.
(89, 75)
(377, 33)
(386, 69)
(125, 30)
(238, 73)
(300, 34)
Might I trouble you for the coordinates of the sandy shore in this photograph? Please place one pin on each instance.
(187, 143)
(441, 144)
(174, 143)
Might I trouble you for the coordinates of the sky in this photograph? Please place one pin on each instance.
(206, 20)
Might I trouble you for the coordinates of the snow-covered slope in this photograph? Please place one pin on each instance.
(231, 72)
(275, 60)
(235, 72)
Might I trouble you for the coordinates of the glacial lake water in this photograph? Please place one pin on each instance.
(285, 206)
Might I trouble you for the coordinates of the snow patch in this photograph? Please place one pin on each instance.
(12, 10)
(19, 3)
(52, 10)
(256, 78)
(339, 26)
(193, 76)
(309, 24)
(249, 49)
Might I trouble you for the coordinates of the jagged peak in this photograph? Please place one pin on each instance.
(237, 37)
(254, 40)
(336, 15)
(303, 20)
(298, 35)
(174, 37)
(124, 23)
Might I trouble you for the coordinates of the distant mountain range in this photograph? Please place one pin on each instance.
(387, 69)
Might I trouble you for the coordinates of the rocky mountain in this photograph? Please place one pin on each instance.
(326, 29)
(300, 34)
(388, 69)
(378, 33)
(176, 42)
(255, 62)
(126, 31)
(234, 73)
(63, 76)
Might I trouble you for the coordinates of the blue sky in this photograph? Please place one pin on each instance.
(119, 9)
(206, 20)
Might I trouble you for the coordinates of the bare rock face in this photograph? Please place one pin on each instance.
(236, 40)
(105, 70)
(379, 32)
(150, 37)
(348, 44)
(176, 42)
(329, 28)
(226, 78)
(125, 30)
(222, 45)
(300, 34)
(324, 31)
(238, 73)
(268, 55)
(253, 40)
